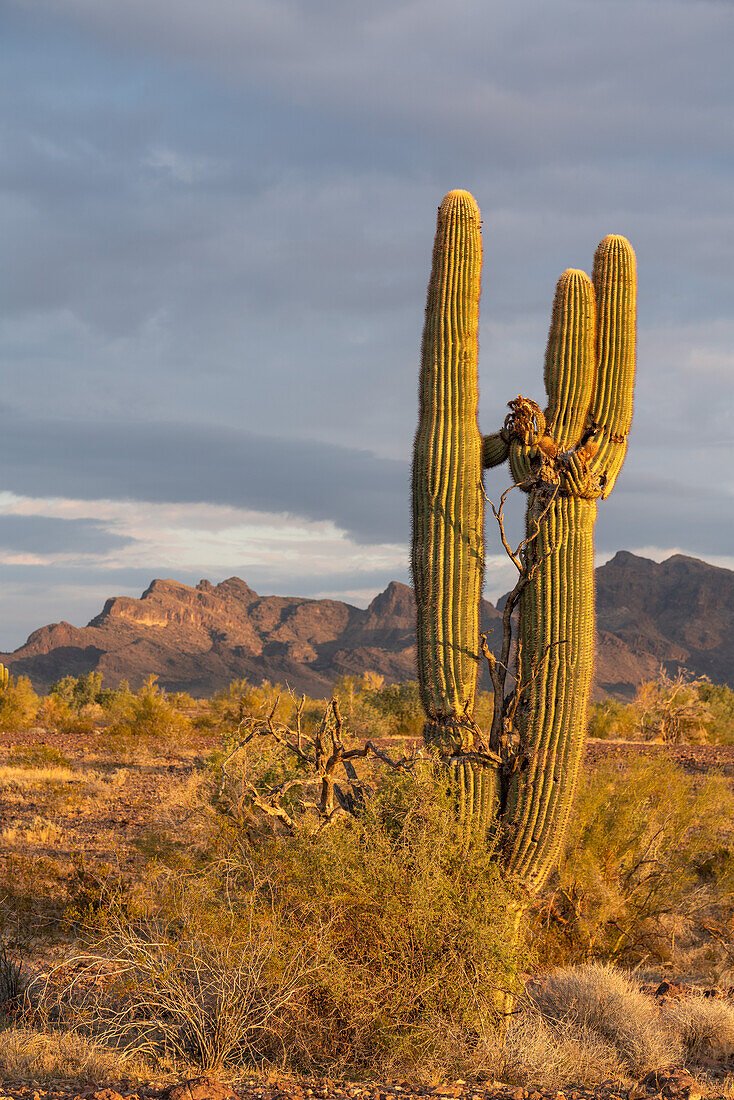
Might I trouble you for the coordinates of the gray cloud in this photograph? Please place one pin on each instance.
(264, 214)
(48, 535)
(216, 226)
(365, 495)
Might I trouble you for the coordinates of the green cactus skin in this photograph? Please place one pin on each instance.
(565, 458)
(448, 509)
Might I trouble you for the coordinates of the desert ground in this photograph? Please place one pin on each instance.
(94, 819)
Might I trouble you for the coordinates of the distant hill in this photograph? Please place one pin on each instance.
(680, 612)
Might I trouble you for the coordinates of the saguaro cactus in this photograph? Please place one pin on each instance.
(565, 459)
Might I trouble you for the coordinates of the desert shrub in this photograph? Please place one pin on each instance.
(393, 709)
(147, 715)
(78, 691)
(719, 699)
(649, 867)
(605, 1002)
(417, 942)
(671, 709)
(200, 981)
(225, 711)
(18, 705)
(12, 978)
(668, 709)
(58, 715)
(375, 709)
(114, 700)
(379, 943)
(612, 719)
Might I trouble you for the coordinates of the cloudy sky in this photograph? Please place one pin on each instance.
(216, 219)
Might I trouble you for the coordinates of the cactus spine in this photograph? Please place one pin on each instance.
(565, 459)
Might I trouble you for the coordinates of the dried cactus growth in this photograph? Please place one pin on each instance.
(521, 777)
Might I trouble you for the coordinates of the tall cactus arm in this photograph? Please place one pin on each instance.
(448, 506)
(570, 366)
(615, 283)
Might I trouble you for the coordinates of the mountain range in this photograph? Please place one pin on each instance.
(679, 613)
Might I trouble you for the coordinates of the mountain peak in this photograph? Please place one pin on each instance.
(199, 639)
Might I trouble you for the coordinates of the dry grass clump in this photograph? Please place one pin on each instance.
(38, 756)
(53, 1055)
(705, 1026)
(603, 1002)
(558, 1054)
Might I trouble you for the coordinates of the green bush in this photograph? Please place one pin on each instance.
(669, 709)
(648, 872)
(612, 719)
(224, 712)
(148, 715)
(78, 691)
(720, 702)
(416, 937)
(56, 714)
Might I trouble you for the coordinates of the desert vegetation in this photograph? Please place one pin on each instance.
(179, 896)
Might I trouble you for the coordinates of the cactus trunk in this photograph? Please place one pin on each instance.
(556, 648)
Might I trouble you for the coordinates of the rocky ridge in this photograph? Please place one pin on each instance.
(198, 639)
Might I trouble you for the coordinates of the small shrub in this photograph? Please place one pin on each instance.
(612, 719)
(671, 709)
(719, 699)
(202, 983)
(78, 692)
(12, 978)
(225, 712)
(397, 706)
(668, 709)
(56, 714)
(148, 715)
